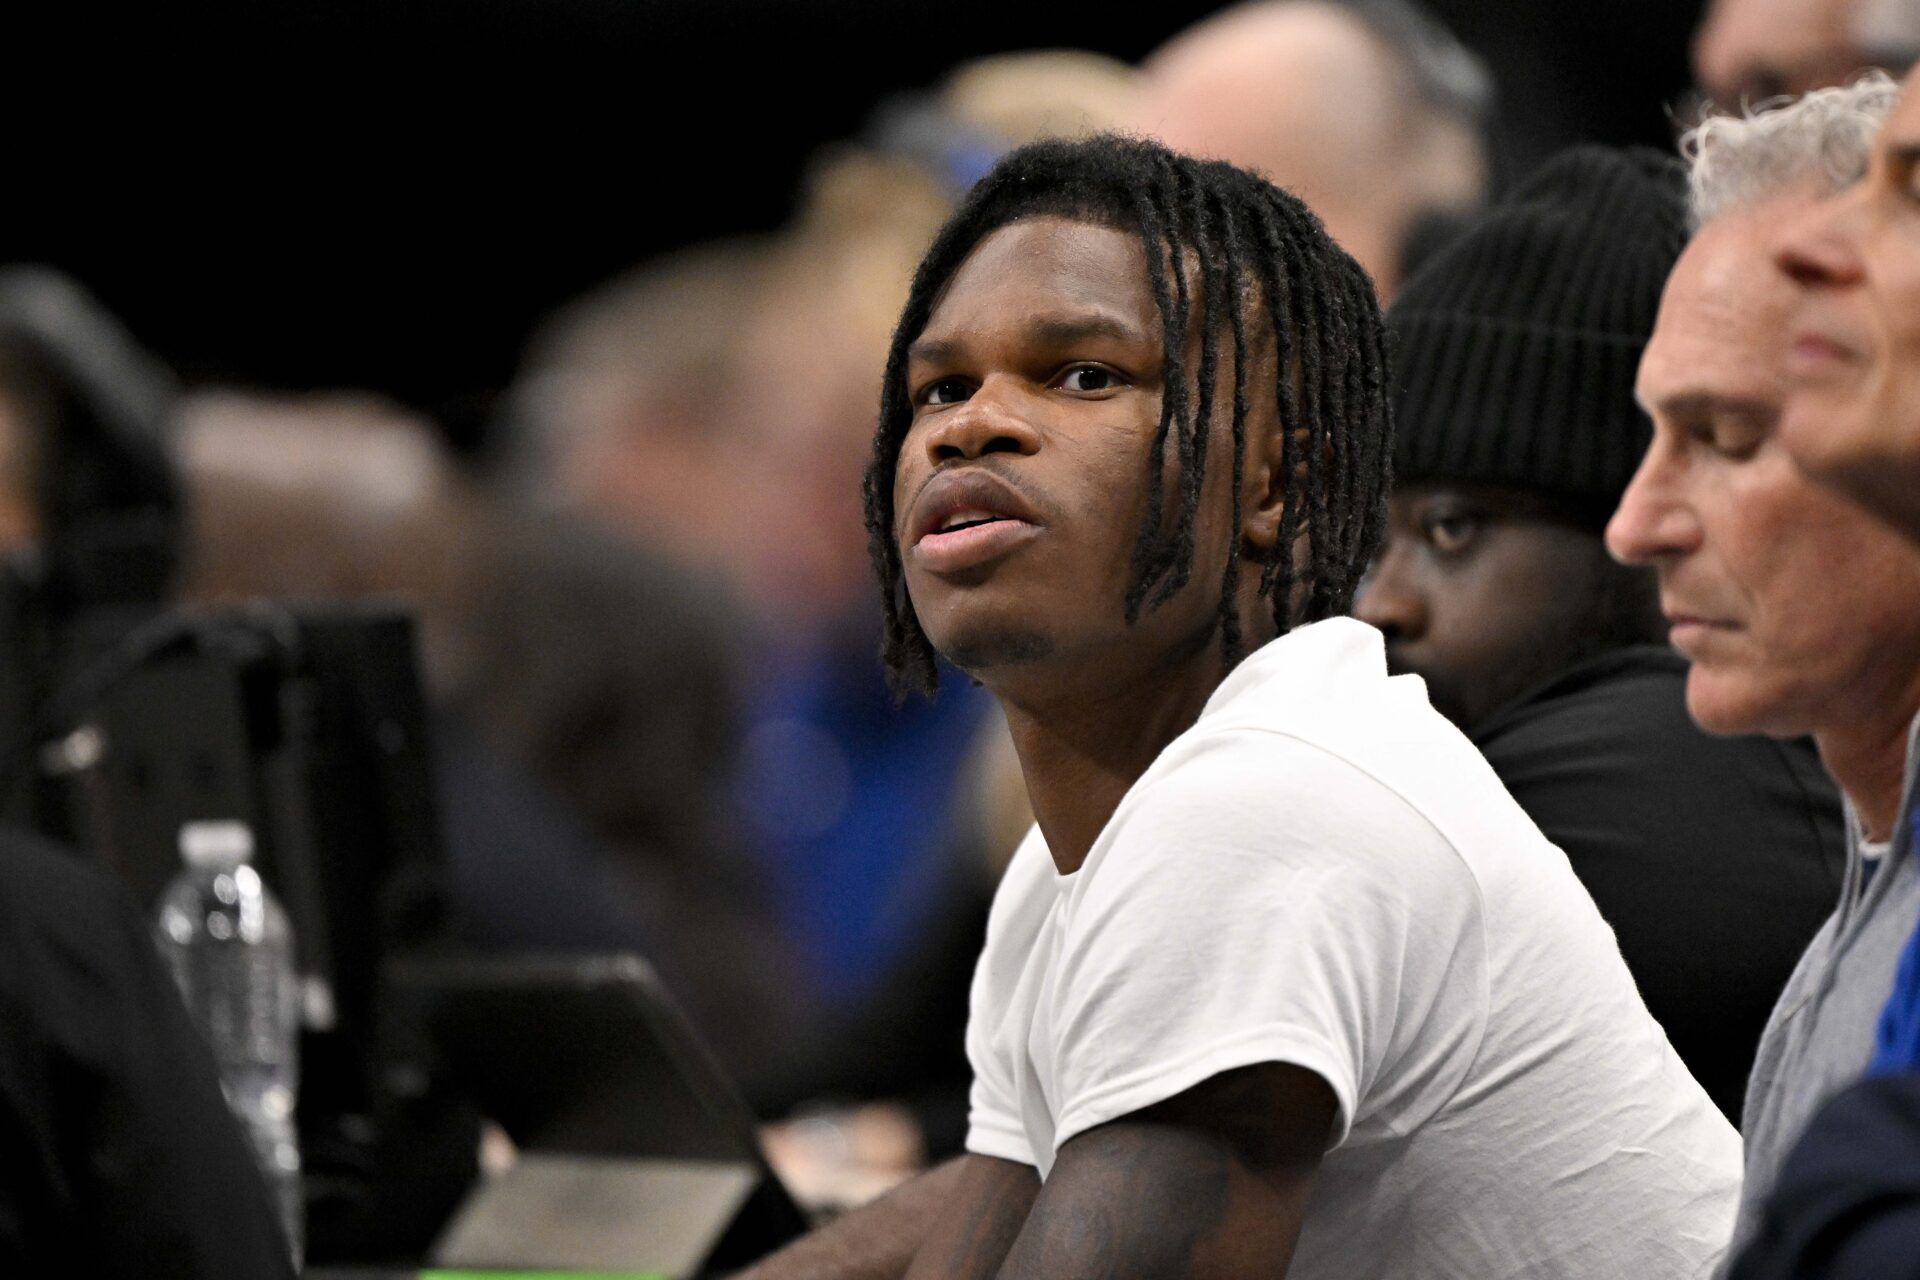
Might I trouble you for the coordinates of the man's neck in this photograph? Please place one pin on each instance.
(1080, 756)
(1868, 759)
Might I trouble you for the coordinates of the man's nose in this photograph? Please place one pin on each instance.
(1816, 249)
(1652, 523)
(1389, 600)
(987, 422)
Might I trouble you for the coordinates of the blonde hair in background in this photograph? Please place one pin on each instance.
(1053, 93)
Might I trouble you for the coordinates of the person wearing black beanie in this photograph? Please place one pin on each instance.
(1516, 347)
(1516, 431)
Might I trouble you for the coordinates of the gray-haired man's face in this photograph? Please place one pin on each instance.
(1852, 414)
(1799, 611)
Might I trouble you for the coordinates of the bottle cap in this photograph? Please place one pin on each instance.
(223, 842)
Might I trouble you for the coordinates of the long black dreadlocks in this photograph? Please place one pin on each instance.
(1247, 243)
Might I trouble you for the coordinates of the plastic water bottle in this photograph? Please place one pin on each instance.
(231, 949)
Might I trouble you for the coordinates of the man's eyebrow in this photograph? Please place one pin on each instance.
(1043, 330)
(933, 351)
(1061, 331)
(1700, 404)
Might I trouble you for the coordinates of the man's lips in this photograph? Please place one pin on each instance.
(1812, 354)
(1684, 629)
(967, 518)
(973, 546)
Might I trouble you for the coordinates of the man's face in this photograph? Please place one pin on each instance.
(1300, 93)
(1484, 591)
(1852, 415)
(1799, 611)
(1751, 50)
(1021, 484)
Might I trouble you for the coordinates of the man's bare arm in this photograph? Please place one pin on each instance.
(879, 1241)
(989, 1206)
(1211, 1185)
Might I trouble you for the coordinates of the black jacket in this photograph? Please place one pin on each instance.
(118, 1155)
(1714, 859)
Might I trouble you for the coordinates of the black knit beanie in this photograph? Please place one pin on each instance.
(1516, 345)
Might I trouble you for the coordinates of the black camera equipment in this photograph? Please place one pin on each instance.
(308, 725)
(119, 723)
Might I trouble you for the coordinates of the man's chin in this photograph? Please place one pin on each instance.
(982, 654)
(1722, 706)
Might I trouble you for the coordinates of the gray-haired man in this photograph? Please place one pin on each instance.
(1799, 611)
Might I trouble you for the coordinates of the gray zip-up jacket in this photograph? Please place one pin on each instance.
(1821, 1034)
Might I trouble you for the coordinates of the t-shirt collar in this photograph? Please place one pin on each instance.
(1303, 661)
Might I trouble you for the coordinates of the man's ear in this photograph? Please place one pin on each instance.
(1265, 488)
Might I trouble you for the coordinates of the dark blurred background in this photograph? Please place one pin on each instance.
(387, 195)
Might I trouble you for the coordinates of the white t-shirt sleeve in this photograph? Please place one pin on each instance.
(994, 1123)
(1265, 901)
(993, 1116)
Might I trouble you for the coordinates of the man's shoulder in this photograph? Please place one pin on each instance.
(1326, 688)
(1358, 746)
(1627, 708)
(1240, 805)
(1020, 902)
(1644, 684)
(1271, 770)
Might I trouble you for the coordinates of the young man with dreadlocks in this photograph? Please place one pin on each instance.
(1283, 983)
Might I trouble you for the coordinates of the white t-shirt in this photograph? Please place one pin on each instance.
(1323, 872)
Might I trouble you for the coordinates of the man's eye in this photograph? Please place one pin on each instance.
(1736, 439)
(1451, 534)
(1089, 377)
(946, 391)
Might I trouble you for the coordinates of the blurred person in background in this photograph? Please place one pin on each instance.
(1846, 1205)
(955, 131)
(1714, 859)
(584, 694)
(806, 354)
(1746, 51)
(734, 386)
(617, 414)
(1370, 112)
(1799, 612)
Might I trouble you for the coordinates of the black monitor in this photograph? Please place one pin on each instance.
(307, 724)
(635, 1151)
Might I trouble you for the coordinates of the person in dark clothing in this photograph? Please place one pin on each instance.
(1714, 859)
(118, 1155)
(1846, 1205)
